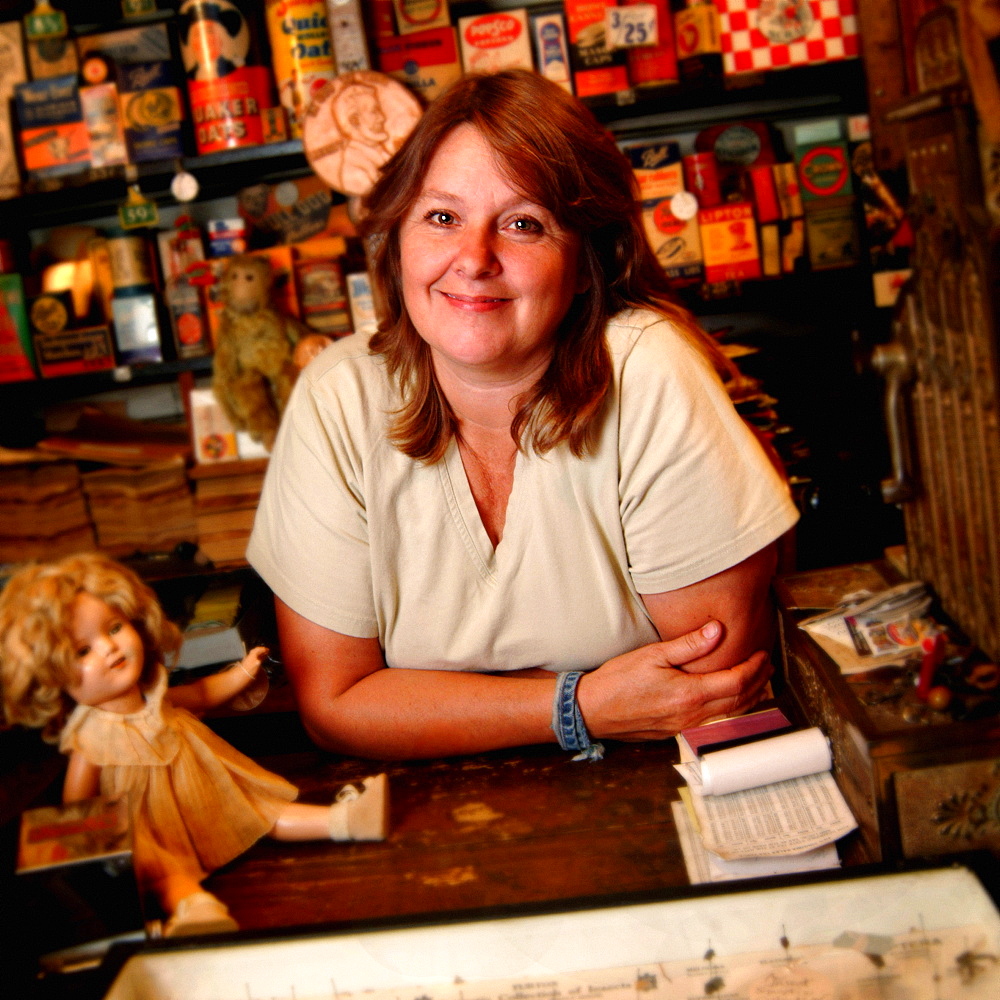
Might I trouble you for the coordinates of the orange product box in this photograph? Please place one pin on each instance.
(729, 242)
(54, 137)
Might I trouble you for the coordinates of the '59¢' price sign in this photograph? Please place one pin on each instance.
(630, 27)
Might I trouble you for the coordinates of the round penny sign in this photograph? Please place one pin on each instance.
(353, 124)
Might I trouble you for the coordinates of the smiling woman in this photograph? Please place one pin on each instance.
(525, 511)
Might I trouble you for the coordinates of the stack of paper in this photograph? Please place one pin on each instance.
(43, 514)
(757, 806)
(148, 508)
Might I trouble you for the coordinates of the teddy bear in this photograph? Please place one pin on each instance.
(255, 365)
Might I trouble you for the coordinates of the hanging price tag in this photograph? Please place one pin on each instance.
(631, 27)
(45, 22)
(138, 211)
(138, 8)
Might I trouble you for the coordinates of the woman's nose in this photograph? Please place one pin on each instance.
(476, 256)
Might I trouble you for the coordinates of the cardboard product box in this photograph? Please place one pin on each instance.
(420, 15)
(786, 185)
(136, 317)
(295, 210)
(323, 295)
(496, 41)
(180, 250)
(699, 43)
(766, 36)
(104, 125)
(832, 234)
(364, 319)
(141, 43)
(674, 237)
(552, 48)
(13, 70)
(152, 110)
(61, 348)
(15, 332)
(426, 61)
(53, 136)
(347, 32)
(212, 436)
(75, 876)
(824, 170)
(655, 65)
(729, 242)
(49, 57)
(596, 69)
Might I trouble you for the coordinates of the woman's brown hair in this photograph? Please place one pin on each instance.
(553, 150)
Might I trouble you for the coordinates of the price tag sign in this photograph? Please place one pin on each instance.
(45, 22)
(631, 27)
(138, 8)
(138, 211)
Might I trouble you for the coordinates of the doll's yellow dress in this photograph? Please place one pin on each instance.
(195, 801)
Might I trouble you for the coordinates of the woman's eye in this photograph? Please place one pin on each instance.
(116, 627)
(525, 224)
(441, 218)
(82, 652)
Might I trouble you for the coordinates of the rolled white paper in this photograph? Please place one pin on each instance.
(790, 755)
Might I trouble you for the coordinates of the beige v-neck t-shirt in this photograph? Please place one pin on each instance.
(361, 539)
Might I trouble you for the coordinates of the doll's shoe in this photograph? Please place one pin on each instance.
(361, 813)
(199, 913)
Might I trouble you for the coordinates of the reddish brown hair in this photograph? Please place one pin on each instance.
(553, 150)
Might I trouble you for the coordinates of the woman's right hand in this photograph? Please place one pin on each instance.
(642, 695)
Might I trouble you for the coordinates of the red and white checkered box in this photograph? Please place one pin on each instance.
(774, 34)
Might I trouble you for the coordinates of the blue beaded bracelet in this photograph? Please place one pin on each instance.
(567, 719)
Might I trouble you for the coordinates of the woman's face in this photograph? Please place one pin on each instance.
(487, 274)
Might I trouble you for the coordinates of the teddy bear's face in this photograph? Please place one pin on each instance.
(246, 284)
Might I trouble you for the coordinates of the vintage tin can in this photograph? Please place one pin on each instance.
(228, 85)
(301, 53)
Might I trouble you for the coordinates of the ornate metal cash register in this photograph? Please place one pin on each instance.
(923, 781)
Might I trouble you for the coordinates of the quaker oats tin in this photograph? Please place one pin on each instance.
(228, 85)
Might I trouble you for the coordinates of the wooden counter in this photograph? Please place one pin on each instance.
(510, 827)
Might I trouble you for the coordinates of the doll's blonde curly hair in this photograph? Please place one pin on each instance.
(37, 655)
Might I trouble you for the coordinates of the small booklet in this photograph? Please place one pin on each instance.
(724, 733)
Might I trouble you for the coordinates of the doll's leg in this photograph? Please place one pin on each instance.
(356, 814)
(192, 910)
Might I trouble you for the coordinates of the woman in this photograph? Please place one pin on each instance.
(481, 524)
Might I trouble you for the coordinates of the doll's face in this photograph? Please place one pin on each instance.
(109, 657)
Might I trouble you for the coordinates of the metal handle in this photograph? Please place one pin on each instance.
(893, 363)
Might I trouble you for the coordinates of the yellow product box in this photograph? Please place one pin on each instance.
(729, 242)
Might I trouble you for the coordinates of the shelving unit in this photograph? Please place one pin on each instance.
(813, 331)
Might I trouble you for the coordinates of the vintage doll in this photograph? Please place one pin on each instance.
(82, 648)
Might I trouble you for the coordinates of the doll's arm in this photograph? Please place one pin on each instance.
(83, 779)
(216, 689)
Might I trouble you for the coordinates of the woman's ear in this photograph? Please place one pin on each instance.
(583, 282)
